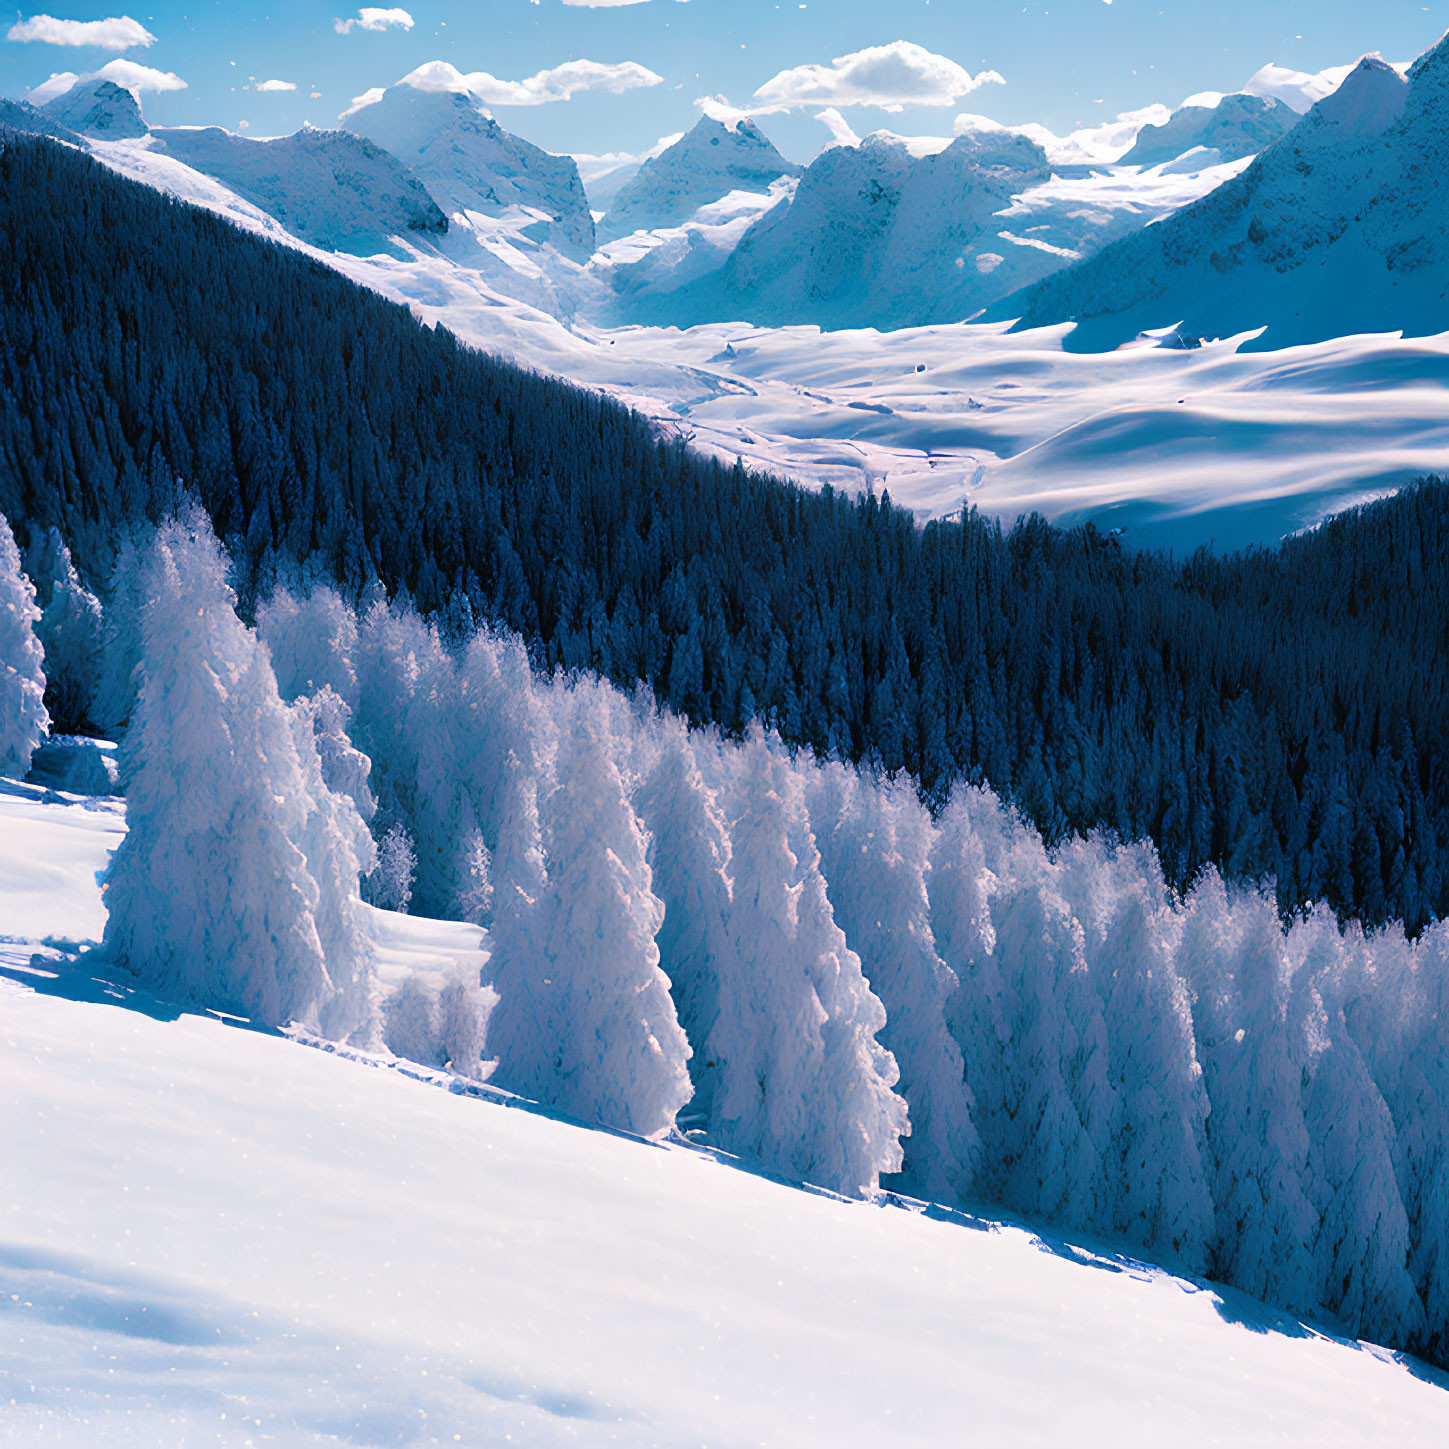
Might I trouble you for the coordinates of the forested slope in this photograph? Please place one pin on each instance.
(1280, 714)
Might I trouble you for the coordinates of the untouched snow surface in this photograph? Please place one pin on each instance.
(1183, 447)
(214, 1236)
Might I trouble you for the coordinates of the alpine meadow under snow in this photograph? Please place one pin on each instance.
(697, 799)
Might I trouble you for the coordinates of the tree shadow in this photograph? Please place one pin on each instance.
(82, 972)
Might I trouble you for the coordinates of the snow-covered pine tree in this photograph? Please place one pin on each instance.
(23, 718)
(121, 643)
(338, 849)
(1398, 1021)
(1157, 1176)
(1233, 960)
(70, 631)
(407, 721)
(1362, 1244)
(690, 856)
(804, 1086)
(875, 840)
(389, 886)
(313, 642)
(585, 1022)
(1044, 1105)
(209, 895)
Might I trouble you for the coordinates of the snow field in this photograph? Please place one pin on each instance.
(245, 1242)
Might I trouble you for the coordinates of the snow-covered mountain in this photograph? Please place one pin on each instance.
(468, 162)
(334, 189)
(893, 233)
(100, 108)
(1239, 125)
(1338, 228)
(707, 164)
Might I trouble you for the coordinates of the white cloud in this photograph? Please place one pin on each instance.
(137, 78)
(561, 83)
(841, 131)
(275, 85)
(369, 97)
(119, 32)
(126, 73)
(718, 108)
(370, 17)
(890, 77)
(48, 90)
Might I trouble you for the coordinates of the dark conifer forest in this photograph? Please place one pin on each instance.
(1280, 713)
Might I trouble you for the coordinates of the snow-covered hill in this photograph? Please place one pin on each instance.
(703, 166)
(469, 163)
(245, 1241)
(334, 189)
(1337, 228)
(1238, 125)
(98, 107)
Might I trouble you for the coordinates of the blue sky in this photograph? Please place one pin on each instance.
(1061, 62)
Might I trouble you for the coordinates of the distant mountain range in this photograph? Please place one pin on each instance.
(1337, 225)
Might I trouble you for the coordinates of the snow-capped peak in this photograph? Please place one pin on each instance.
(1370, 98)
(433, 123)
(713, 159)
(95, 106)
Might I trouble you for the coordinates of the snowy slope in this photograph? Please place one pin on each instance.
(1337, 228)
(1239, 125)
(334, 189)
(471, 164)
(98, 107)
(245, 1241)
(707, 164)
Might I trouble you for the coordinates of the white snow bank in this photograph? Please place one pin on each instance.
(220, 1237)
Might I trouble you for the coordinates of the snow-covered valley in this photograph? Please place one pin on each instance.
(243, 1241)
(1182, 446)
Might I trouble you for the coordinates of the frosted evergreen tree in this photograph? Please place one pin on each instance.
(1398, 1023)
(500, 718)
(389, 885)
(410, 1022)
(344, 767)
(875, 843)
(464, 1009)
(1157, 1175)
(690, 857)
(338, 849)
(70, 631)
(407, 722)
(970, 839)
(23, 717)
(121, 644)
(1234, 962)
(1044, 1111)
(1362, 1245)
(804, 1086)
(313, 642)
(587, 1024)
(209, 895)
(473, 900)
